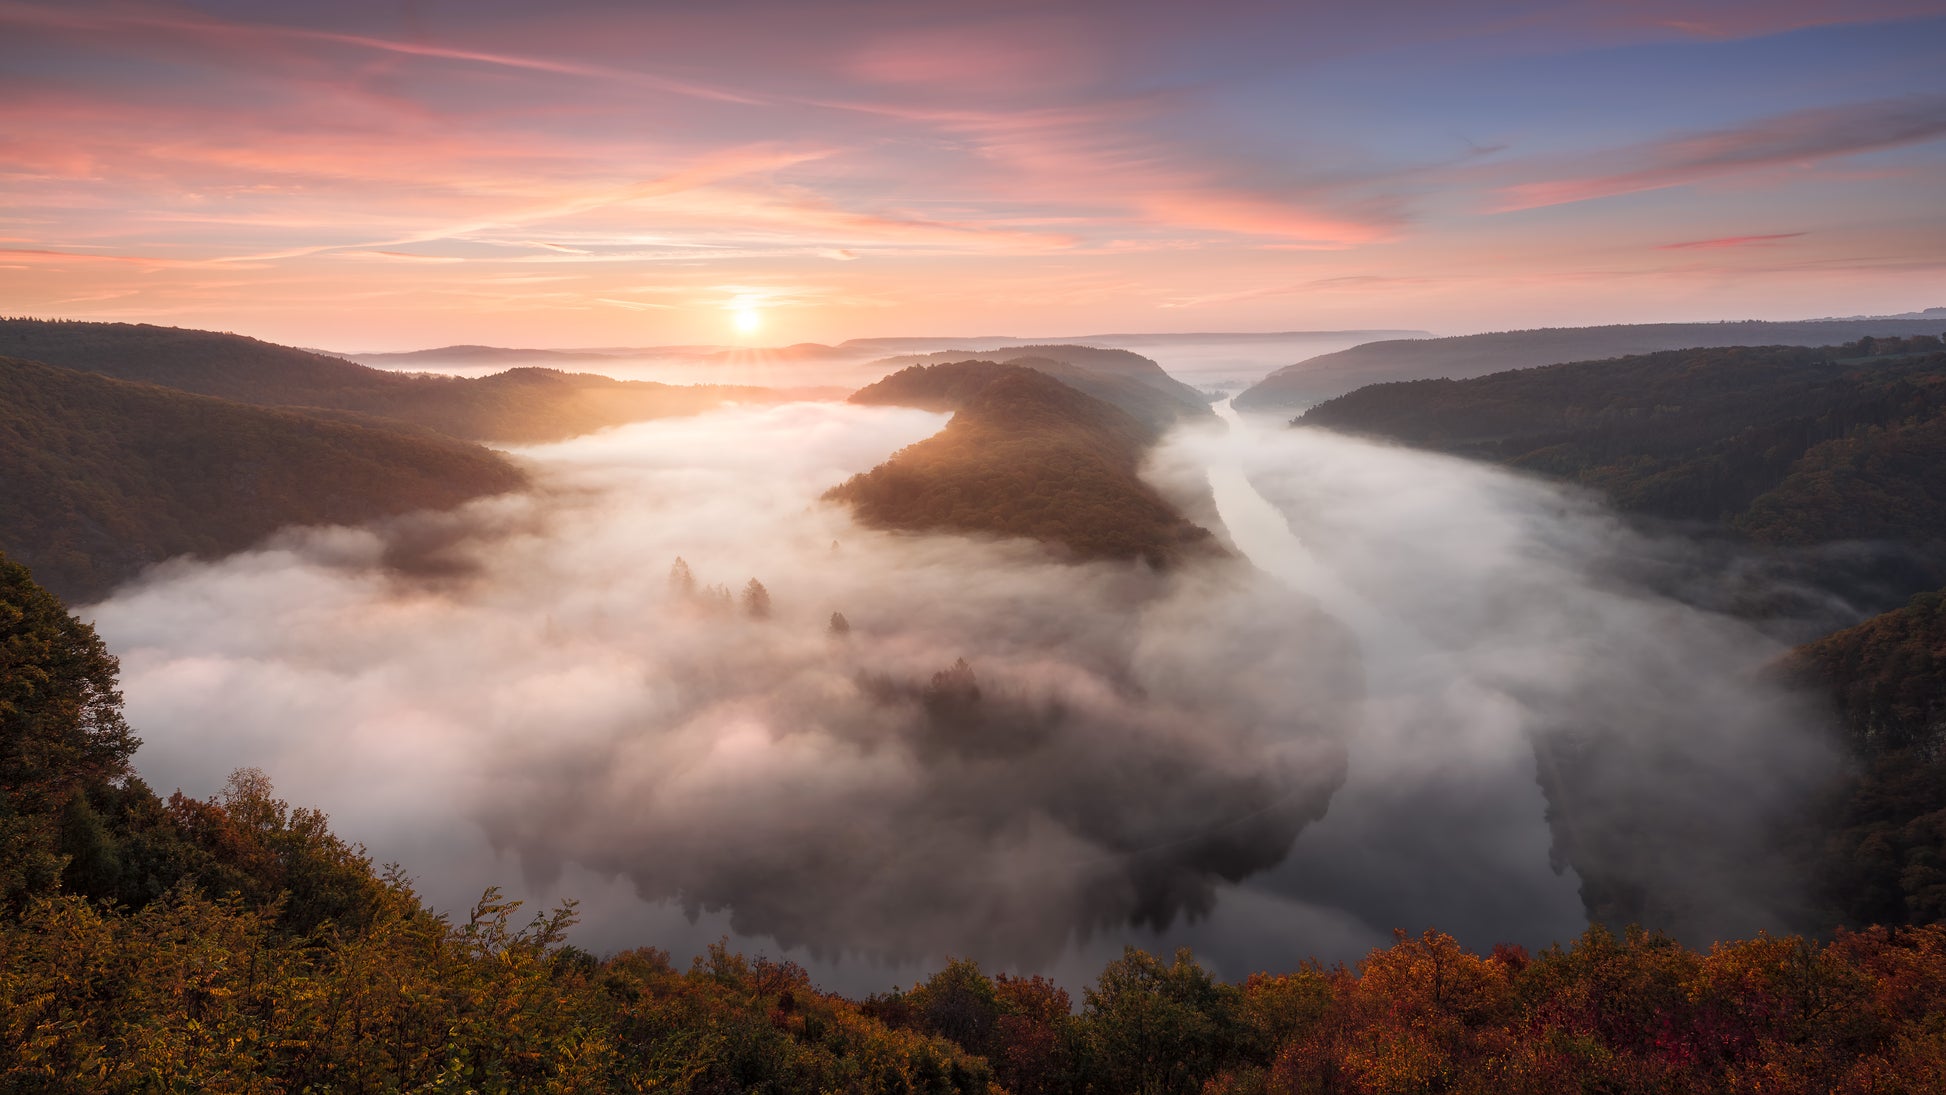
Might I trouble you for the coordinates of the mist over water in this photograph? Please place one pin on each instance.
(517, 692)
(1500, 647)
(1285, 755)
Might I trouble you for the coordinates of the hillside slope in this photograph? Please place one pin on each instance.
(1328, 375)
(100, 478)
(1785, 446)
(528, 405)
(1880, 856)
(1024, 455)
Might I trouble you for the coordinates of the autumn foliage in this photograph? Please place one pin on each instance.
(192, 993)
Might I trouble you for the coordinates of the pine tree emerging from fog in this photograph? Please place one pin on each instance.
(839, 625)
(954, 689)
(681, 580)
(756, 600)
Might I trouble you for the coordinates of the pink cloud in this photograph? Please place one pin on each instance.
(1746, 18)
(1804, 137)
(1098, 157)
(997, 59)
(1220, 209)
(40, 257)
(231, 35)
(374, 164)
(1730, 241)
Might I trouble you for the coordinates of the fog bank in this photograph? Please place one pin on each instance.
(1264, 762)
(1507, 654)
(1118, 746)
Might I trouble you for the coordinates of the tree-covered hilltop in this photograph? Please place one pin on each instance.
(1133, 396)
(236, 944)
(1328, 376)
(1882, 856)
(1782, 445)
(1123, 378)
(519, 406)
(100, 478)
(1024, 455)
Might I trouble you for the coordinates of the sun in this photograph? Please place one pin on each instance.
(747, 320)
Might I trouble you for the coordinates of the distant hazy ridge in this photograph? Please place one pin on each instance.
(517, 406)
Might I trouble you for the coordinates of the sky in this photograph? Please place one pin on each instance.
(389, 176)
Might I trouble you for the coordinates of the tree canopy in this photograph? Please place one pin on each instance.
(100, 478)
(1024, 455)
(61, 727)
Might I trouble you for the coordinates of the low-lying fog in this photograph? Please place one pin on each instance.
(1263, 762)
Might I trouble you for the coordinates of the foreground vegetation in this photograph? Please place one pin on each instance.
(191, 994)
(237, 945)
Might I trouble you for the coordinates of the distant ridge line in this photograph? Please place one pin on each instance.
(879, 344)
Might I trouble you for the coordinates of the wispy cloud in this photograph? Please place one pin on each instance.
(1799, 138)
(51, 257)
(634, 305)
(1743, 18)
(1730, 241)
(156, 20)
(1355, 283)
(394, 256)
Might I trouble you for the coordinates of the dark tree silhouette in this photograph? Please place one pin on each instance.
(756, 600)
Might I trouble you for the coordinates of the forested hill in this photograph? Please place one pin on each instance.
(1328, 375)
(1124, 378)
(1024, 455)
(236, 944)
(100, 478)
(518, 406)
(1883, 860)
(1784, 445)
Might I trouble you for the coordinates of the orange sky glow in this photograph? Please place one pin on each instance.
(380, 176)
